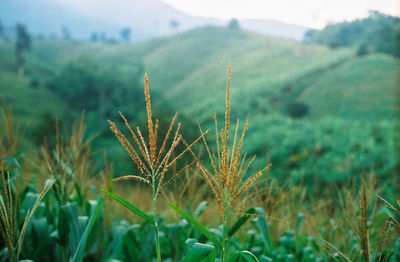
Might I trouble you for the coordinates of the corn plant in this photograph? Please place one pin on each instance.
(9, 228)
(227, 179)
(151, 161)
(364, 230)
(12, 132)
(70, 163)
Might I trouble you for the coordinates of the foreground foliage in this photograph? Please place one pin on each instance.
(89, 231)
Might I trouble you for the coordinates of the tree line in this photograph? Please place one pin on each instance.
(376, 33)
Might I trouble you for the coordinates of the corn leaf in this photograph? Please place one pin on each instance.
(200, 253)
(261, 224)
(265, 259)
(245, 255)
(197, 225)
(79, 252)
(129, 206)
(249, 213)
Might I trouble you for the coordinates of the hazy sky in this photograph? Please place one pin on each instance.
(311, 13)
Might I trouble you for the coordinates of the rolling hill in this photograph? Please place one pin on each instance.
(351, 99)
(363, 87)
(267, 73)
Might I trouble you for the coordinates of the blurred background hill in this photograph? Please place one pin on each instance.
(145, 19)
(322, 103)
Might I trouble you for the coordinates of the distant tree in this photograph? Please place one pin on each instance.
(233, 24)
(309, 35)
(94, 37)
(111, 40)
(297, 109)
(34, 82)
(362, 49)
(397, 40)
(65, 32)
(174, 24)
(334, 44)
(89, 86)
(378, 30)
(21, 46)
(126, 34)
(1, 30)
(103, 37)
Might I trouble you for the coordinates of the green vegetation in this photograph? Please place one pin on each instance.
(72, 227)
(365, 77)
(271, 76)
(323, 117)
(22, 45)
(378, 32)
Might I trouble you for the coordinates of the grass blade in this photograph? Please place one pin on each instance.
(197, 225)
(129, 206)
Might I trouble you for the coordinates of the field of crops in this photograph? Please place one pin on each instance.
(210, 209)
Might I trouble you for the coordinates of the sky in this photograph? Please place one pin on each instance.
(310, 13)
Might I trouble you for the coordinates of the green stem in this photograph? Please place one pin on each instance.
(158, 250)
(225, 247)
(12, 255)
(63, 254)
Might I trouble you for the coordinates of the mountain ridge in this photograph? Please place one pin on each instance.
(147, 19)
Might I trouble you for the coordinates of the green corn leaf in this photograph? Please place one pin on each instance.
(129, 206)
(63, 223)
(240, 222)
(119, 231)
(79, 252)
(197, 225)
(265, 259)
(68, 225)
(200, 253)
(262, 228)
(236, 244)
(190, 242)
(245, 255)
(12, 162)
(40, 235)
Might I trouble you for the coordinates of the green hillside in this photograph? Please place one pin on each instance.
(193, 65)
(267, 73)
(364, 87)
(351, 99)
(20, 92)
